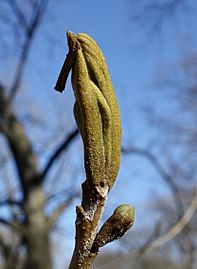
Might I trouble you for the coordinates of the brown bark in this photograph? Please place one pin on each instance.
(88, 216)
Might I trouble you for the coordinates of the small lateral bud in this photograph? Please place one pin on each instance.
(115, 227)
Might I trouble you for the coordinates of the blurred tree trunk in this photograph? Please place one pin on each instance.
(36, 232)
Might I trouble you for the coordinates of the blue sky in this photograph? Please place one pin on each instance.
(133, 60)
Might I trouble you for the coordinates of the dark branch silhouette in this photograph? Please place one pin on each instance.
(63, 146)
(10, 202)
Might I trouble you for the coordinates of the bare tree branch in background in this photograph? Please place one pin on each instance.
(62, 147)
(176, 195)
(10, 202)
(154, 14)
(161, 171)
(176, 229)
(29, 29)
(178, 83)
(58, 211)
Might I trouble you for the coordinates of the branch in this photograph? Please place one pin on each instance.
(13, 225)
(157, 12)
(177, 228)
(19, 144)
(19, 14)
(161, 171)
(30, 33)
(10, 202)
(63, 146)
(5, 222)
(59, 210)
